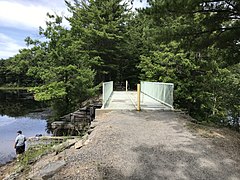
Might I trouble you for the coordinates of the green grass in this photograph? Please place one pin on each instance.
(34, 153)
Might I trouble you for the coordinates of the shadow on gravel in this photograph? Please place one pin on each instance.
(110, 173)
(157, 163)
(192, 158)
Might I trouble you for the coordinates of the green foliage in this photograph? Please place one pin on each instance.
(191, 43)
(203, 62)
(99, 28)
(208, 91)
(199, 24)
(18, 102)
(33, 154)
(14, 70)
(36, 151)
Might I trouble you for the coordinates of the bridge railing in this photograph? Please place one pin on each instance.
(162, 92)
(107, 92)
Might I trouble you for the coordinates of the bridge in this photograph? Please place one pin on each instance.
(149, 96)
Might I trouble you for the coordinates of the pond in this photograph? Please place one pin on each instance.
(19, 111)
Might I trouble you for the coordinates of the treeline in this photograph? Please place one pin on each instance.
(194, 44)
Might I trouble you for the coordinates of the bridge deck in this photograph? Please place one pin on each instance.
(120, 100)
(128, 100)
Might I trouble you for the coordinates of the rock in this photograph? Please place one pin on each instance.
(78, 144)
(65, 145)
(85, 137)
(49, 170)
(86, 142)
(38, 135)
(71, 141)
(89, 131)
(93, 125)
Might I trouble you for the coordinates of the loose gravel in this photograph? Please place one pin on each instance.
(147, 145)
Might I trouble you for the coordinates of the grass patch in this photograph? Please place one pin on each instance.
(34, 153)
(38, 150)
(204, 130)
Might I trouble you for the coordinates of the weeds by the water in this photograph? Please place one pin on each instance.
(37, 149)
(35, 152)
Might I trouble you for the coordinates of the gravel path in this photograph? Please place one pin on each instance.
(148, 146)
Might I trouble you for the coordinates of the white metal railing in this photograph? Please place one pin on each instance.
(107, 92)
(162, 92)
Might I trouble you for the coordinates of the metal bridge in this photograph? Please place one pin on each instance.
(150, 96)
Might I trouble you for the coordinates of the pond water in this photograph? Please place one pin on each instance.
(18, 111)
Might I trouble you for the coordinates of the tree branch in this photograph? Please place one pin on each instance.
(218, 29)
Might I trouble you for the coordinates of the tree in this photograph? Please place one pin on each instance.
(100, 27)
(67, 77)
(2, 72)
(18, 66)
(199, 24)
(207, 42)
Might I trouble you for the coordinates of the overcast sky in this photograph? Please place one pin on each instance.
(22, 18)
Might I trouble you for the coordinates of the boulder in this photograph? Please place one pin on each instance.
(78, 144)
(49, 170)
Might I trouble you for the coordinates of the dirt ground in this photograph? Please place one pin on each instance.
(144, 145)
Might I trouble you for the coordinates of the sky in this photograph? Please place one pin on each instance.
(22, 18)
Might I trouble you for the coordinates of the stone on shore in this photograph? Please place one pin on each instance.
(78, 144)
(49, 170)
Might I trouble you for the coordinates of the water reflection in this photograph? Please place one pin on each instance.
(8, 128)
(17, 103)
(19, 111)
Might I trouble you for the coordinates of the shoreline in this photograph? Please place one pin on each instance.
(33, 141)
(8, 162)
(40, 152)
(8, 128)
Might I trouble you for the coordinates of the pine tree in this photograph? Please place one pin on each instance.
(100, 26)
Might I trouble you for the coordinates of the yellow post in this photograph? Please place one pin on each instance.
(138, 97)
(126, 86)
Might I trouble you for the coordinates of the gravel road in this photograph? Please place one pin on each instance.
(148, 146)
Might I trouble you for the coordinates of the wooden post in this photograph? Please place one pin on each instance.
(138, 97)
(126, 85)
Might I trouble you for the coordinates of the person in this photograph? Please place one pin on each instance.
(20, 143)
